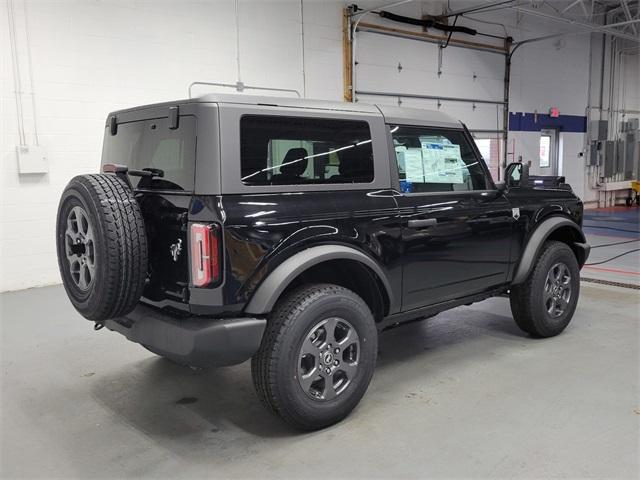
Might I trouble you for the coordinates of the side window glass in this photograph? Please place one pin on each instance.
(277, 150)
(436, 160)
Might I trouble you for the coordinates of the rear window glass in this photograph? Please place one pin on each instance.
(292, 150)
(152, 144)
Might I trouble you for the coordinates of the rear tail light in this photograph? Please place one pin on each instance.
(205, 254)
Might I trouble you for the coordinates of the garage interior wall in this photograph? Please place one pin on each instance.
(89, 58)
(615, 98)
(543, 74)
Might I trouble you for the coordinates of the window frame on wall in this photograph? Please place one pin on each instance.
(546, 164)
(472, 147)
(554, 164)
(492, 167)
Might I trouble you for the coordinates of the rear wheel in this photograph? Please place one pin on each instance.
(545, 303)
(317, 356)
(101, 245)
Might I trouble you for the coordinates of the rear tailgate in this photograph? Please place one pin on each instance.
(169, 147)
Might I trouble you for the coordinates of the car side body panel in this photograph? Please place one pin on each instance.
(535, 206)
(269, 291)
(264, 233)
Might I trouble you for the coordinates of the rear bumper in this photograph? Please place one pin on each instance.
(197, 341)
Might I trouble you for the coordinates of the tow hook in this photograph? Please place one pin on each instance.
(98, 326)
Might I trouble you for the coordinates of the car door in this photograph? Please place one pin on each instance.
(456, 226)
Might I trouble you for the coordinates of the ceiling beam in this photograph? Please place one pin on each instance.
(608, 29)
(571, 5)
(584, 9)
(627, 13)
(477, 8)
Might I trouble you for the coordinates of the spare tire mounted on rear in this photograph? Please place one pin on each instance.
(101, 245)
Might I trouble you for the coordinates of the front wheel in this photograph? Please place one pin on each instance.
(317, 356)
(544, 304)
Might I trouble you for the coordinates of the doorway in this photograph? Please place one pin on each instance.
(549, 152)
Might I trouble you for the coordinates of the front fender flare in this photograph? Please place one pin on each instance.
(538, 237)
(276, 282)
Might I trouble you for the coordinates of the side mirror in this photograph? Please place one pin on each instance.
(524, 175)
(501, 186)
(517, 174)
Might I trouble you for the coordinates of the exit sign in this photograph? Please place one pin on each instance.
(554, 112)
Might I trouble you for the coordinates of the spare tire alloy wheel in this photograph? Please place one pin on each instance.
(102, 246)
(79, 240)
(328, 359)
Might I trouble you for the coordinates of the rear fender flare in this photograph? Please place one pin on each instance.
(538, 237)
(267, 294)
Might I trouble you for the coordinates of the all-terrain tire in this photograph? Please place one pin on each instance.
(101, 246)
(275, 367)
(530, 300)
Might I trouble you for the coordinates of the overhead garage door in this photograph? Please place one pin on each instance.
(468, 83)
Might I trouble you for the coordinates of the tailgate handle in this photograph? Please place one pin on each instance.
(424, 222)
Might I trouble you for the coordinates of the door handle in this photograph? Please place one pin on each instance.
(423, 222)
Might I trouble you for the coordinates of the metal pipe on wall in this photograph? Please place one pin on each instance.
(430, 97)
(237, 13)
(31, 82)
(429, 38)
(17, 77)
(304, 71)
(505, 114)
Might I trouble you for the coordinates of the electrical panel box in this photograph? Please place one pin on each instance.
(631, 155)
(32, 159)
(599, 129)
(609, 158)
(634, 124)
(620, 157)
(593, 154)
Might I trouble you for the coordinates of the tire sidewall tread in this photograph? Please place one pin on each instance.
(120, 245)
(274, 367)
(526, 299)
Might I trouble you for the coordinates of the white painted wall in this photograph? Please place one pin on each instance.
(90, 58)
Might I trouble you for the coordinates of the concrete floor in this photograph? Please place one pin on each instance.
(464, 394)
(613, 232)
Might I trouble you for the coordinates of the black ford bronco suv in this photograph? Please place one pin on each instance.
(292, 232)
